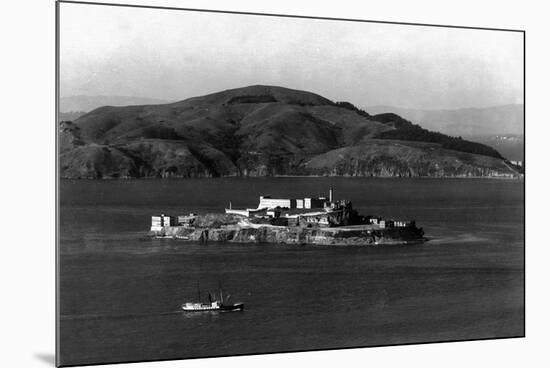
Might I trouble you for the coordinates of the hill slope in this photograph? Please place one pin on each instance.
(258, 131)
(499, 127)
(387, 158)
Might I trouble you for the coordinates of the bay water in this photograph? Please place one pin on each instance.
(120, 292)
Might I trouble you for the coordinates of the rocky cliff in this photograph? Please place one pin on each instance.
(292, 235)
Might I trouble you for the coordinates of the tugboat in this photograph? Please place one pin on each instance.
(213, 306)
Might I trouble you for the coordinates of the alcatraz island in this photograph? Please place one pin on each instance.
(320, 221)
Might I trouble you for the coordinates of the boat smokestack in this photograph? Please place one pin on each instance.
(330, 194)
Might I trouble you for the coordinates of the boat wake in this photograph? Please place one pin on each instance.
(459, 238)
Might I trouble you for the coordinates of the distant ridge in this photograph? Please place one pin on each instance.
(71, 104)
(465, 122)
(499, 127)
(259, 131)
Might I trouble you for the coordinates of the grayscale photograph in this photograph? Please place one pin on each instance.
(237, 183)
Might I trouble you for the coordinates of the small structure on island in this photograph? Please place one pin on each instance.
(158, 222)
(187, 220)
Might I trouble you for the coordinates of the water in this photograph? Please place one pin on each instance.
(120, 292)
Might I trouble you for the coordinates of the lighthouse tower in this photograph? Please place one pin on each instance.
(330, 195)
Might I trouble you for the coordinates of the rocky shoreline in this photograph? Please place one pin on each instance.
(349, 235)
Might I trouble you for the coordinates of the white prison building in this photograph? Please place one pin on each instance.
(268, 202)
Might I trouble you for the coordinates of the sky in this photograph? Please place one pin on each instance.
(174, 55)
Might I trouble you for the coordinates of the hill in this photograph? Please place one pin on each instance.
(70, 115)
(389, 158)
(258, 131)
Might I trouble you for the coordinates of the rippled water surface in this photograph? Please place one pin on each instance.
(120, 292)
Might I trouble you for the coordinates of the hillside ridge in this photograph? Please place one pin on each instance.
(262, 130)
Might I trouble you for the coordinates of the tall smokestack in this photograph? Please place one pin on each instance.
(331, 194)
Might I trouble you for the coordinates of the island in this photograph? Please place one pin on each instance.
(299, 221)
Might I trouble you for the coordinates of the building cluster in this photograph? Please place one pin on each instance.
(382, 223)
(289, 207)
(266, 202)
(290, 203)
(307, 212)
(301, 212)
(158, 222)
(315, 219)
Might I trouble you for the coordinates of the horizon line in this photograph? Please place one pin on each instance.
(362, 106)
